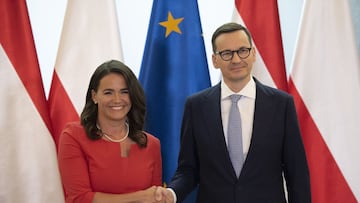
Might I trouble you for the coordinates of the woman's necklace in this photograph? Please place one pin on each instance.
(113, 140)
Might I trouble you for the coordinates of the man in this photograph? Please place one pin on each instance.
(270, 142)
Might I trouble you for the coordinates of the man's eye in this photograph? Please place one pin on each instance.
(226, 53)
(243, 50)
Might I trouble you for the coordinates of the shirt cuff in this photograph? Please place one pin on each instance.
(173, 193)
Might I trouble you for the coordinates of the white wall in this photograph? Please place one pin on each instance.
(47, 17)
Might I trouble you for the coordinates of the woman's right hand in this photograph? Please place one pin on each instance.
(152, 195)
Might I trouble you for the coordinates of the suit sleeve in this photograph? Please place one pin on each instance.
(186, 175)
(296, 170)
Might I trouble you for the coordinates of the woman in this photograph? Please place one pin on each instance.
(108, 157)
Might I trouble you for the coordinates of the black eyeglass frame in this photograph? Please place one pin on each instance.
(232, 53)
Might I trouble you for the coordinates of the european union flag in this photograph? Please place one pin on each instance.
(174, 66)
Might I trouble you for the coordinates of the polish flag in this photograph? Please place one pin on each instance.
(90, 36)
(28, 163)
(325, 82)
(262, 20)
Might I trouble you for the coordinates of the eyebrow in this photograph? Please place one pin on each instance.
(109, 89)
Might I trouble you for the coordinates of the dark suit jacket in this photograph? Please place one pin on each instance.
(276, 148)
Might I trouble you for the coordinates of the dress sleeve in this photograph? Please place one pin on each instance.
(74, 168)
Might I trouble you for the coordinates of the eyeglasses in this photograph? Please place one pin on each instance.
(227, 55)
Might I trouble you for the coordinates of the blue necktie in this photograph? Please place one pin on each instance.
(235, 135)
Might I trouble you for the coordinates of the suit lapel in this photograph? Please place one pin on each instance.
(264, 109)
(212, 110)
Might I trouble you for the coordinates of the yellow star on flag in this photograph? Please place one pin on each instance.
(171, 25)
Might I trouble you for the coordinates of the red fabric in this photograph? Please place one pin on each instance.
(88, 166)
(17, 40)
(58, 97)
(325, 188)
(262, 20)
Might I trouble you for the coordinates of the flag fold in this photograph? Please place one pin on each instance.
(28, 163)
(174, 66)
(325, 82)
(90, 36)
(262, 20)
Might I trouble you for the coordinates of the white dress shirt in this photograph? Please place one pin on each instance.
(246, 106)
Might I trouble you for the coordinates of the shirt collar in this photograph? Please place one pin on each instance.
(248, 91)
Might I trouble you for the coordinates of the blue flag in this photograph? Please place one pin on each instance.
(174, 66)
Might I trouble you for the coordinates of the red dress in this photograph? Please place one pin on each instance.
(89, 166)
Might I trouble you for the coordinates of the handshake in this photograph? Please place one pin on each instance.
(158, 194)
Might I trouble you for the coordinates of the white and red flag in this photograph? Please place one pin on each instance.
(28, 163)
(90, 36)
(262, 20)
(325, 82)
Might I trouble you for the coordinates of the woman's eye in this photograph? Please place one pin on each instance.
(126, 91)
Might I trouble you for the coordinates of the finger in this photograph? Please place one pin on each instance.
(158, 194)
